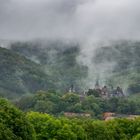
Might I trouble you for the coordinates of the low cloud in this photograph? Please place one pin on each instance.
(80, 20)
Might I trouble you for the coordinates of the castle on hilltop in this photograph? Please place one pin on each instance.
(106, 92)
(100, 91)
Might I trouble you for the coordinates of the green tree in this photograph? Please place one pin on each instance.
(13, 123)
(70, 98)
(93, 92)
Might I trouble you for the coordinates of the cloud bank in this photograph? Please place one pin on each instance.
(78, 20)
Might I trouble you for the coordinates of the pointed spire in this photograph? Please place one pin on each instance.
(97, 85)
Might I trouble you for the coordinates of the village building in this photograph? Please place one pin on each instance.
(72, 114)
(110, 115)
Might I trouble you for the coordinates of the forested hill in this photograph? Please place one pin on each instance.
(19, 75)
(25, 68)
(31, 66)
(59, 62)
(125, 55)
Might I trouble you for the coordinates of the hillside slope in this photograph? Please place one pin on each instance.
(126, 57)
(58, 60)
(18, 75)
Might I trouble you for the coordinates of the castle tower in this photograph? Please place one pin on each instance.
(97, 85)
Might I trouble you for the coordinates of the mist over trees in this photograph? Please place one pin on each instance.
(111, 64)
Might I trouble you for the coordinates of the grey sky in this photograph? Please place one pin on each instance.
(70, 19)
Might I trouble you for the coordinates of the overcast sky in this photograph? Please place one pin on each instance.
(70, 19)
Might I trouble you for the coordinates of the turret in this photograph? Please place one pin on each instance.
(97, 85)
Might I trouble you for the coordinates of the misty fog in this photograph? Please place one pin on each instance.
(80, 20)
(91, 23)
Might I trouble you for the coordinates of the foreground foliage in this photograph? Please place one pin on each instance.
(48, 127)
(15, 125)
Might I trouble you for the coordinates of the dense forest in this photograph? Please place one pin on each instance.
(44, 82)
(27, 67)
(37, 76)
(16, 125)
(126, 56)
(20, 75)
(53, 103)
(58, 60)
